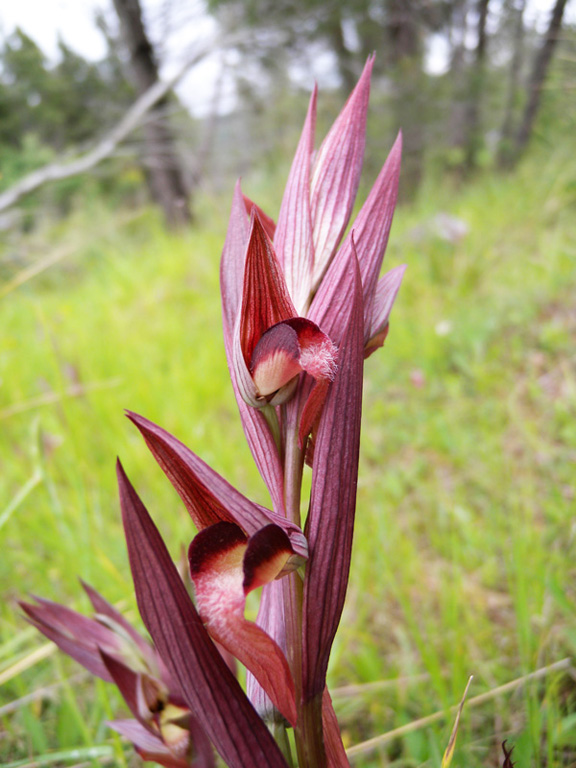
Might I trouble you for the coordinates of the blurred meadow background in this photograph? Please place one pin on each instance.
(465, 545)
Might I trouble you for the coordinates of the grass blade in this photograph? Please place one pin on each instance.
(448, 754)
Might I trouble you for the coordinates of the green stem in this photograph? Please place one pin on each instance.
(293, 465)
(281, 737)
(308, 732)
(269, 413)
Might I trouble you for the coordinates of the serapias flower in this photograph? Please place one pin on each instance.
(272, 345)
(336, 286)
(240, 546)
(225, 566)
(163, 728)
(274, 272)
(206, 684)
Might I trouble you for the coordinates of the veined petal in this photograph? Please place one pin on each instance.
(294, 240)
(371, 229)
(232, 263)
(335, 752)
(240, 372)
(330, 310)
(78, 636)
(336, 291)
(108, 615)
(271, 619)
(265, 301)
(259, 434)
(257, 431)
(148, 745)
(208, 687)
(225, 565)
(336, 174)
(208, 497)
(384, 298)
(333, 499)
(265, 297)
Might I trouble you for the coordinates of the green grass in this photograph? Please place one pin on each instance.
(464, 551)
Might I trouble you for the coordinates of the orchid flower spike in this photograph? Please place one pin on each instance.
(303, 306)
(278, 275)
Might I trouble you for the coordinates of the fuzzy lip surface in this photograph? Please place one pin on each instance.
(284, 351)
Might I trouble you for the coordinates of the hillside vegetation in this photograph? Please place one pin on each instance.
(464, 551)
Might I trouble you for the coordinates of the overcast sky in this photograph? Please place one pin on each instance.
(73, 20)
(45, 21)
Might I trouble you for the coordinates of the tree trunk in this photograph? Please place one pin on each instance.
(539, 73)
(405, 58)
(457, 34)
(346, 70)
(476, 87)
(505, 149)
(163, 174)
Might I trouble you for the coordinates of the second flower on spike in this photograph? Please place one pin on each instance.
(225, 566)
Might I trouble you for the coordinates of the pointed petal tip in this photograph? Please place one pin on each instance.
(389, 284)
(143, 424)
(399, 271)
(365, 78)
(121, 475)
(125, 489)
(361, 90)
(369, 66)
(256, 221)
(28, 608)
(313, 99)
(266, 221)
(91, 593)
(336, 174)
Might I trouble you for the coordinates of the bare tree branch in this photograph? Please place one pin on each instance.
(106, 146)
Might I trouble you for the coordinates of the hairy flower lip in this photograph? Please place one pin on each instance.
(286, 350)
